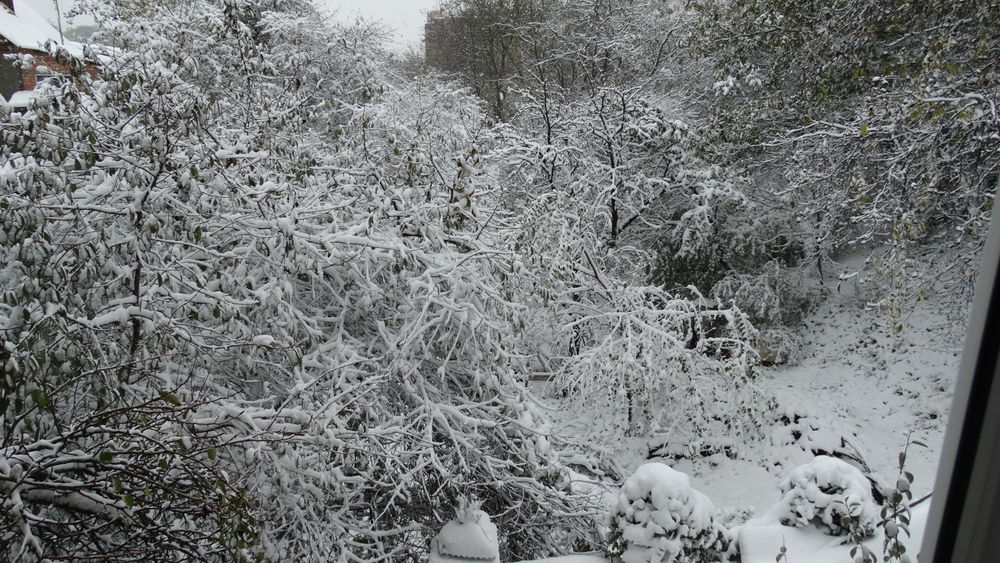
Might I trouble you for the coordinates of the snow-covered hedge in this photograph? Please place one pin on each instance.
(249, 313)
(823, 492)
(659, 518)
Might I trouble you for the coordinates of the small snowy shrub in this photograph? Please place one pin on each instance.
(659, 518)
(773, 297)
(658, 361)
(831, 493)
(895, 511)
(778, 346)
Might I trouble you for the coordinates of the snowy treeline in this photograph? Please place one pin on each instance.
(872, 123)
(269, 294)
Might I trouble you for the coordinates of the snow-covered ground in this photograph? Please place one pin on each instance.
(857, 381)
(859, 388)
(762, 543)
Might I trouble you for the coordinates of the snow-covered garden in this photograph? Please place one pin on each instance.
(610, 281)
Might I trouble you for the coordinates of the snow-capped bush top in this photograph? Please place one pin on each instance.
(658, 516)
(659, 490)
(824, 491)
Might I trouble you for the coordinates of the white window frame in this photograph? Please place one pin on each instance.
(964, 520)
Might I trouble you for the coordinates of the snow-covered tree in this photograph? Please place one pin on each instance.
(866, 125)
(592, 172)
(247, 310)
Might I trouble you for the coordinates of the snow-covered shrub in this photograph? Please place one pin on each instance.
(831, 493)
(659, 518)
(657, 361)
(748, 249)
(778, 346)
(771, 296)
(591, 180)
(237, 326)
(653, 358)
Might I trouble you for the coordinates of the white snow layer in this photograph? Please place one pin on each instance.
(22, 98)
(470, 537)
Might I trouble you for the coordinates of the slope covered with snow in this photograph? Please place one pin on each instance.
(859, 392)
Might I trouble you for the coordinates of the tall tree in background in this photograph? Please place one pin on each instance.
(596, 168)
(479, 40)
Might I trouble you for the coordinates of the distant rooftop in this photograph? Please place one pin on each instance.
(27, 28)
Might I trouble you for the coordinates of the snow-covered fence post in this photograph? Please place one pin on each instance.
(469, 538)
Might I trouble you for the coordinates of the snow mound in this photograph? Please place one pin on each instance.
(471, 537)
(825, 491)
(659, 518)
(761, 543)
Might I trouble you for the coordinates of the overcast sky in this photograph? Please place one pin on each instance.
(405, 16)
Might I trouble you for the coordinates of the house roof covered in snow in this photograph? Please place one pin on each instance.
(27, 28)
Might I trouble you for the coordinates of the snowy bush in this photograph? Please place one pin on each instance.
(830, 493)
(587, 225)
(247, 315)
(747, 258)
(773, 296)
(659, 518)
(661, 362)
(778, 346)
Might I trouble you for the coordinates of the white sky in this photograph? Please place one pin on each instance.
(405, 16)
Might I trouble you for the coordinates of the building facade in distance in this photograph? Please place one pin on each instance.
(23, 31)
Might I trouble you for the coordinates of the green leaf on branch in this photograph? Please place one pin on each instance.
(171, 398)
(40, 398)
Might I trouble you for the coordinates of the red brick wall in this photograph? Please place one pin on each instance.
(28, 81)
